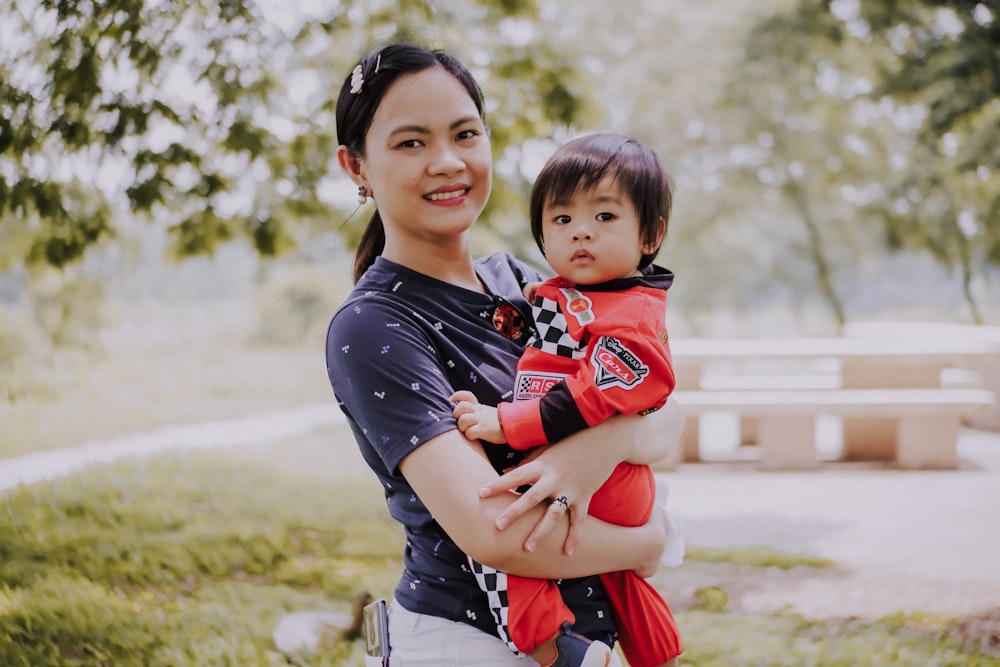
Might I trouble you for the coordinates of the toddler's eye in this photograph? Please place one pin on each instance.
(604, 217)
(562, 219)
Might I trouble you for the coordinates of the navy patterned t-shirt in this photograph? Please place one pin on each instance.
(397, 348)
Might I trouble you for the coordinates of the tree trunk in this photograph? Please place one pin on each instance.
(965, 261)
(824, 279)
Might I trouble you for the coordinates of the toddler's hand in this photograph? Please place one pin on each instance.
(529, 291)
(475, 420)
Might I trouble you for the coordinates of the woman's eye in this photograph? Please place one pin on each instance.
(467, 134)
(409, 143)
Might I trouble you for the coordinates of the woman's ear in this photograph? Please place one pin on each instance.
(352, 166)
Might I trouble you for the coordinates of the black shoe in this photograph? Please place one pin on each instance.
(575, 650)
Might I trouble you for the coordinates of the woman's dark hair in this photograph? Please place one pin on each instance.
(380, 69)
(581, 164)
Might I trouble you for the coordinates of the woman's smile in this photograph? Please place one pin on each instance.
(448, 196)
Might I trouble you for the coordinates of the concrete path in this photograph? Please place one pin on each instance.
(923, 523)
(224, 433)
(915, 540)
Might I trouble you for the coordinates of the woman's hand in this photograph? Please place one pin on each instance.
(447, 471)
(576, 467)
(553, 471)
(657, 520)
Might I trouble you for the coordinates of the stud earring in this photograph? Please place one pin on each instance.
(362, 195)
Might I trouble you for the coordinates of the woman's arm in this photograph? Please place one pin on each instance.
(656, 435)
(447, 473)
(578, 465)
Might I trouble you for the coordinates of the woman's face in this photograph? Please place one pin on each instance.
(428, 161)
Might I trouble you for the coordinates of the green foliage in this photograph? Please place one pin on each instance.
(225, 131)
(903, 102)
(793, 110)
(853, 129)
(83, 87)
(945, 65)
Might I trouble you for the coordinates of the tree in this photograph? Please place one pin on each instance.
(853, 117)
(207, 117)
(802, 135)
(94, 107)
(940, 68)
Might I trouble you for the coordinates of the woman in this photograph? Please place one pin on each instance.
(424, 321)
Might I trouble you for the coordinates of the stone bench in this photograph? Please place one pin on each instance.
(927, 421)
(987, 369)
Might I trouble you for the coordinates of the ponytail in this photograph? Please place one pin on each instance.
(371, 245)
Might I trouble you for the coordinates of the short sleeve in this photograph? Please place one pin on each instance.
(387, 377)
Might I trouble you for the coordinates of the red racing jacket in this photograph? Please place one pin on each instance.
(598, 350)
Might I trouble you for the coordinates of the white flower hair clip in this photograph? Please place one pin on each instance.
(358, 77)
(357, 80)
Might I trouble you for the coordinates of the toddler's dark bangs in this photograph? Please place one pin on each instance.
(580, 171)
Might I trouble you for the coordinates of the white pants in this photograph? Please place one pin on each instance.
(417, 640)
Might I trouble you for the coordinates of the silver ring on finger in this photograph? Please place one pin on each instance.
(563, 502)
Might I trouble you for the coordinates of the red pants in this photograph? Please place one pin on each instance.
(646, 628)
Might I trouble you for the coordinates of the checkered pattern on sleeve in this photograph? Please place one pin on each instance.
(553, 332)
(494, 584)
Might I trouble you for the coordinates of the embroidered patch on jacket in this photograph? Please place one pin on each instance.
(579, 305)
(616, 366)
(534, 384)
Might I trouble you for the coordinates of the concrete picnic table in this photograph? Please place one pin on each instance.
(862, 362)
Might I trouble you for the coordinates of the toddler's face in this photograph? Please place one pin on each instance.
(593, 237)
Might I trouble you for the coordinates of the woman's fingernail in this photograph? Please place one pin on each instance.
(501, 523)
(484, 492)
(530, 546)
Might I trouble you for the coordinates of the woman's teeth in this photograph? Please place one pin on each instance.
(438, 196)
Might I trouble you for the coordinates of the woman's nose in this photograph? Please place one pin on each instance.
(445, 161)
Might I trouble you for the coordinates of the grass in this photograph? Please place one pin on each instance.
(189, 560)
(159, 365)
(755, 556)
(193, 559)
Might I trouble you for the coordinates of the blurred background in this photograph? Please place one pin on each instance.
(175, 234)
(168, 186)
